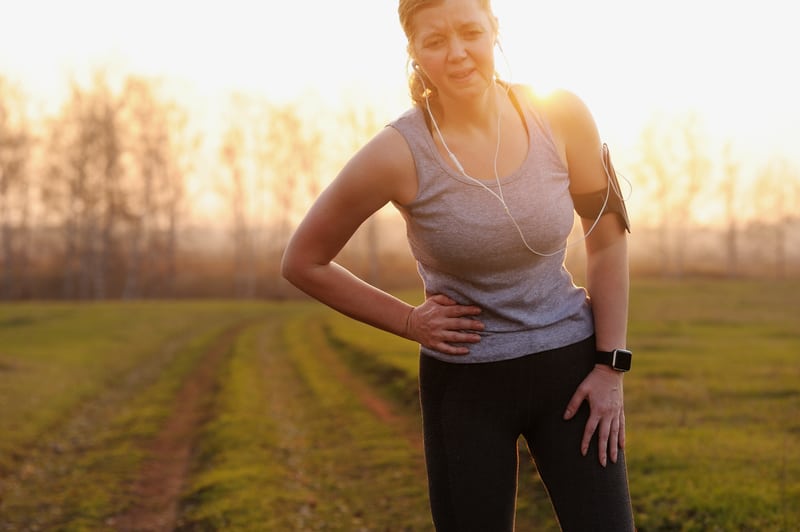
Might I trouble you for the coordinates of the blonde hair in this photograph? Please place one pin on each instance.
(406, 10)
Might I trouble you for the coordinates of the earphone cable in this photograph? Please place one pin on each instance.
(500, 196)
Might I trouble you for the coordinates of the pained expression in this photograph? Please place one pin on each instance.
(453, 44)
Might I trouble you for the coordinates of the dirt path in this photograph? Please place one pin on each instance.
(388, 413)
(161, 478)
(353, 460)
(42, 491)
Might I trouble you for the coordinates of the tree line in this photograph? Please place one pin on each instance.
(96, 198)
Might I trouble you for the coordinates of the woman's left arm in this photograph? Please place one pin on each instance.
(607, 278)
(607, 284)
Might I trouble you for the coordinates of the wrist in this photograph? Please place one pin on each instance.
(618, 360)
(408, 325)
(608, 370)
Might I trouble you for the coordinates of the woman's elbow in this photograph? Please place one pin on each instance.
(290, 267)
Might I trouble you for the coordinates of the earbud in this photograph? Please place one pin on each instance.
(425, 92)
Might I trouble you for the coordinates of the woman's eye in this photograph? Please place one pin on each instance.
(434, 43)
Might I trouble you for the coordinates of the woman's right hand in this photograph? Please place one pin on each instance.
(440, 322)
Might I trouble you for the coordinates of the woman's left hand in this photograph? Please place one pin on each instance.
(602, 388)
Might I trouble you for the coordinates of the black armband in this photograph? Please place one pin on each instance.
(589, 205)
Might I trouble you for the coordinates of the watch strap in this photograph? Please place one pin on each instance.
(618, 359)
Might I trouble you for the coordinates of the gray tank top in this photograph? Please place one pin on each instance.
(467, 248)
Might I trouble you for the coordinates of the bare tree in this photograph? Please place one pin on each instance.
(155, 141)
(729, 189)
(234, 159)
(777, 195)
(293, 148)
(284, 147)
(16, 142)
(676, 165)
(358, 125)
(184, 147)
(83, 186)
(696, 169)
(655, 169)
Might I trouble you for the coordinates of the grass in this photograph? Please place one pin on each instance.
(83, 387)
(713, 411)
(713, 403)
(290, 446)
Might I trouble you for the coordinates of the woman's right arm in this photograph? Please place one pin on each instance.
(382, 171)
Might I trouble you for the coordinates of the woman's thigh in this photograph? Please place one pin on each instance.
(585, 495)
(470, 448)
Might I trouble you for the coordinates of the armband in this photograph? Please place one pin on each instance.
(588, 205)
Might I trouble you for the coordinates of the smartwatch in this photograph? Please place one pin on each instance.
(618, 359)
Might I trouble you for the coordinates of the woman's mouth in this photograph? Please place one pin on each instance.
(462, 75)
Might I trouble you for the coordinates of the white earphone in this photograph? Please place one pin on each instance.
(499, 194)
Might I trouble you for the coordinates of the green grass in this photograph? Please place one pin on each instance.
(292, 448)
(713, 403)
(83, 387)
(713, 411)
(242, 471)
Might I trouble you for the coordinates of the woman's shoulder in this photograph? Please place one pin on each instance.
(385, 162)
(564, 110)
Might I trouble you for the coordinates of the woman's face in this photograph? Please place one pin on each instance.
(453, 44)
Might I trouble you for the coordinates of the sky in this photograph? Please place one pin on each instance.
(732, 62)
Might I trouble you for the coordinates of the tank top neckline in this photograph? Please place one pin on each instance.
(522, 110)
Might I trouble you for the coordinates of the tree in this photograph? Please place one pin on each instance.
(729, 189)
(292, 149)
(154, 133)
(83, 186)
(776, 197)
(695, 170)
(675, 164)
(359, 124)
(233, 154)
(16, 144)
(655, 170)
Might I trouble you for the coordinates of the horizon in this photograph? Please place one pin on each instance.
(633, 63)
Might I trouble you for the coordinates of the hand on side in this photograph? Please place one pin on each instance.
(602, 388)
(440, 322)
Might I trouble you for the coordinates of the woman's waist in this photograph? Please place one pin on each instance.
(512, 342)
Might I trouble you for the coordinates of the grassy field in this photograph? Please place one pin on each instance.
(286, 416)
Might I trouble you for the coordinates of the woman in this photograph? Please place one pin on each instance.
(486, 176)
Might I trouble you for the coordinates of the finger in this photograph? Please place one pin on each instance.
(602, 441)
(468, 325)
(622, 429)
(574, 403)
(588, 432)
(457, 311)
(456, 350)
(613, 440)
(449, 340)
(443, 300)
(458, 337)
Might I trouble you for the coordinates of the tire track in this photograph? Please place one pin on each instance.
(161, 479)
(353, 461)
(30, 495)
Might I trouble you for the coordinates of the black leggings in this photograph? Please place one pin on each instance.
(473, 415)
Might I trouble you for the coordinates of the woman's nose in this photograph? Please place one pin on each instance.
(458, 50)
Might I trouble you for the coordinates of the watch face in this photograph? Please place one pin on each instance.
(622, 360)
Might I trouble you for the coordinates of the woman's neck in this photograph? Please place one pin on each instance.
(476, 113)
